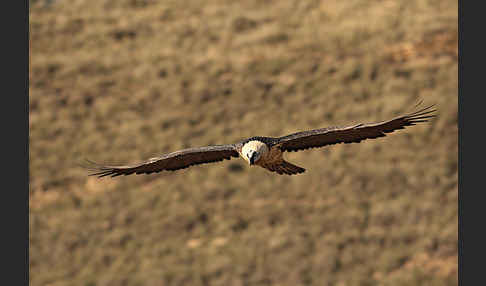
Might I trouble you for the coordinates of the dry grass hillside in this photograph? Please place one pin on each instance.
(122, 81)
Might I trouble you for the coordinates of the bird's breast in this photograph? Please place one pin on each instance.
(273, 155)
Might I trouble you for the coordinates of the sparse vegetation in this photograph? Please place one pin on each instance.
(122, 81)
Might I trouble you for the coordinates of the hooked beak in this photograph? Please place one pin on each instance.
(253, 157)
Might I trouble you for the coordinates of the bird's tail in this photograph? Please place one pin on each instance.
(285, 167)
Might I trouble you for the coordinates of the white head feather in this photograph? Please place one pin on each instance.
(258, 148)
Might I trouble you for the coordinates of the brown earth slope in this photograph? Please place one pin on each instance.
(123, 81)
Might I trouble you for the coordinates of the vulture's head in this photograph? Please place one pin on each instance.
(253, 151)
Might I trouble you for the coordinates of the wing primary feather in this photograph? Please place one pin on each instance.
(356, 133)
(169, 162)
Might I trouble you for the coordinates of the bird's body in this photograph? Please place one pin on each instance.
(267, 152)
(271, 156)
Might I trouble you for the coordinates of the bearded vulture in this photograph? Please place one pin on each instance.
(267, 152)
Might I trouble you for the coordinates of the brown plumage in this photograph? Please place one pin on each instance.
(267, 152)
(170, 162)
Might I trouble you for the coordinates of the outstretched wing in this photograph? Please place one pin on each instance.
(352, 134)
(169, 162)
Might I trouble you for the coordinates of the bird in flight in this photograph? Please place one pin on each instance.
(267, 152)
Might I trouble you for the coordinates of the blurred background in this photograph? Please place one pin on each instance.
(122, 81)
